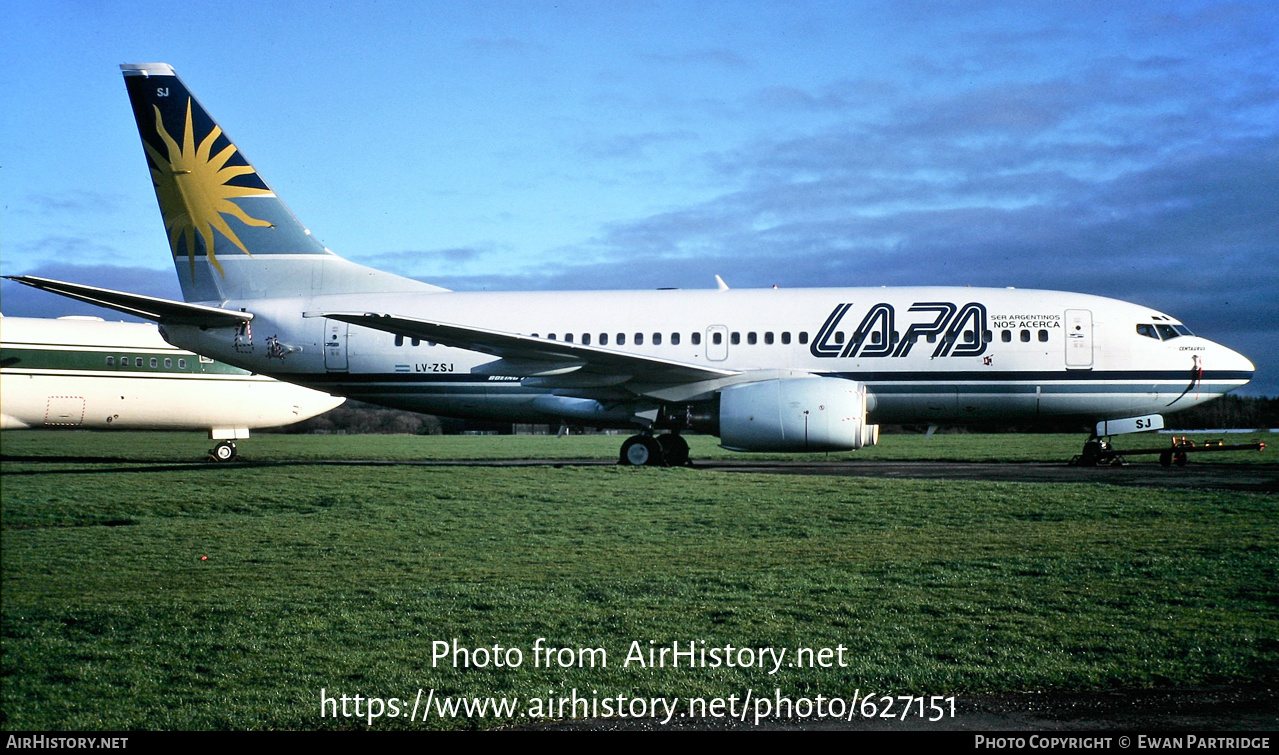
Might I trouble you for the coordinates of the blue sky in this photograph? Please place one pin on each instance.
(1122, 149)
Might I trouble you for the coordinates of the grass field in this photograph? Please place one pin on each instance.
(341, 578)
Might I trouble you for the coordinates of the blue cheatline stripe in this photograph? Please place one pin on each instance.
(982, 376)
(998, 380)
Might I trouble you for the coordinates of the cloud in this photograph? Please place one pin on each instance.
(632, 146)
(75, 202)
(56, 246)
(412, 261)
(714, 57)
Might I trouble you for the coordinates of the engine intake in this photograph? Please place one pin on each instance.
(795, 414)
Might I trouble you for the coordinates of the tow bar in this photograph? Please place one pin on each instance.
(1098, 451)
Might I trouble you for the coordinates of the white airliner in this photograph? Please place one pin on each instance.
(87, 373)
(765, 370)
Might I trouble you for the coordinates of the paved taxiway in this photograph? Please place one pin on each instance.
(1260, 478)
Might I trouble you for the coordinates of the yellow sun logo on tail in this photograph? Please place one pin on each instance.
(193, 190)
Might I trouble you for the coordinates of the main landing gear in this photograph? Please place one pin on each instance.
(648, 450)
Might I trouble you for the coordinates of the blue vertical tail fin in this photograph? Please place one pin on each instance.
(230, 235)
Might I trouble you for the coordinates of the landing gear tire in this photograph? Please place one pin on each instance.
(224, 451)
(641, 451)
(674, 448)
(1097, 451)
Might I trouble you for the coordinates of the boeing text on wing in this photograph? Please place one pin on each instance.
(787, 370)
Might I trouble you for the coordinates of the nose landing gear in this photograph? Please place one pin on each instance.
(224, 451)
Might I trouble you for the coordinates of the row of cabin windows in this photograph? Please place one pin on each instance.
(675, 338)
(769, 338)
(876, 338)
(1007, 336)
(753, 338)
(154, 362)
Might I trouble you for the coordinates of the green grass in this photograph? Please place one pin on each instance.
(341, 577)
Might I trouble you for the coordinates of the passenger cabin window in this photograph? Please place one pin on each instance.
(1043, 336)
(735, 339)
(786, 337)
(697, 339)
(621, 339)
(657, 339)
(137, 362)
(803, 336)
(639, 339)
(751, 338)
(182, 364)
(1025, 336)
(168, 363)
(675, 339)
(110, 361)
(399, 340)
(1006, 336)
(154, 362)
(586, 339)
(768, 339)
(603, 339)
(716, 339)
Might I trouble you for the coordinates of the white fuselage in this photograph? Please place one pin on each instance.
(925, 354)
(83, 372)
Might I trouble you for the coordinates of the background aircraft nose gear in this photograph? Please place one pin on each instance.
(224, 451)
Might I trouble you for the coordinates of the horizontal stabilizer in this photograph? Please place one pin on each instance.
(147, 307)
(527, 349)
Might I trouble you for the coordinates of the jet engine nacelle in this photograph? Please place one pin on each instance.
(795, 414)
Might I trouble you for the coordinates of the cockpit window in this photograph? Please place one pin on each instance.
(1147, 330)
(1182, 329)
(1166, 332)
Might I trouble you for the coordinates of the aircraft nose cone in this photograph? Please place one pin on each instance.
(1227, 359)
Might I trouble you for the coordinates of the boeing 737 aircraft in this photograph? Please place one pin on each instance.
(87, 373)
(765, 370)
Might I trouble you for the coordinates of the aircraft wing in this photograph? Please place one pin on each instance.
(534, 357)
(148, 307)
